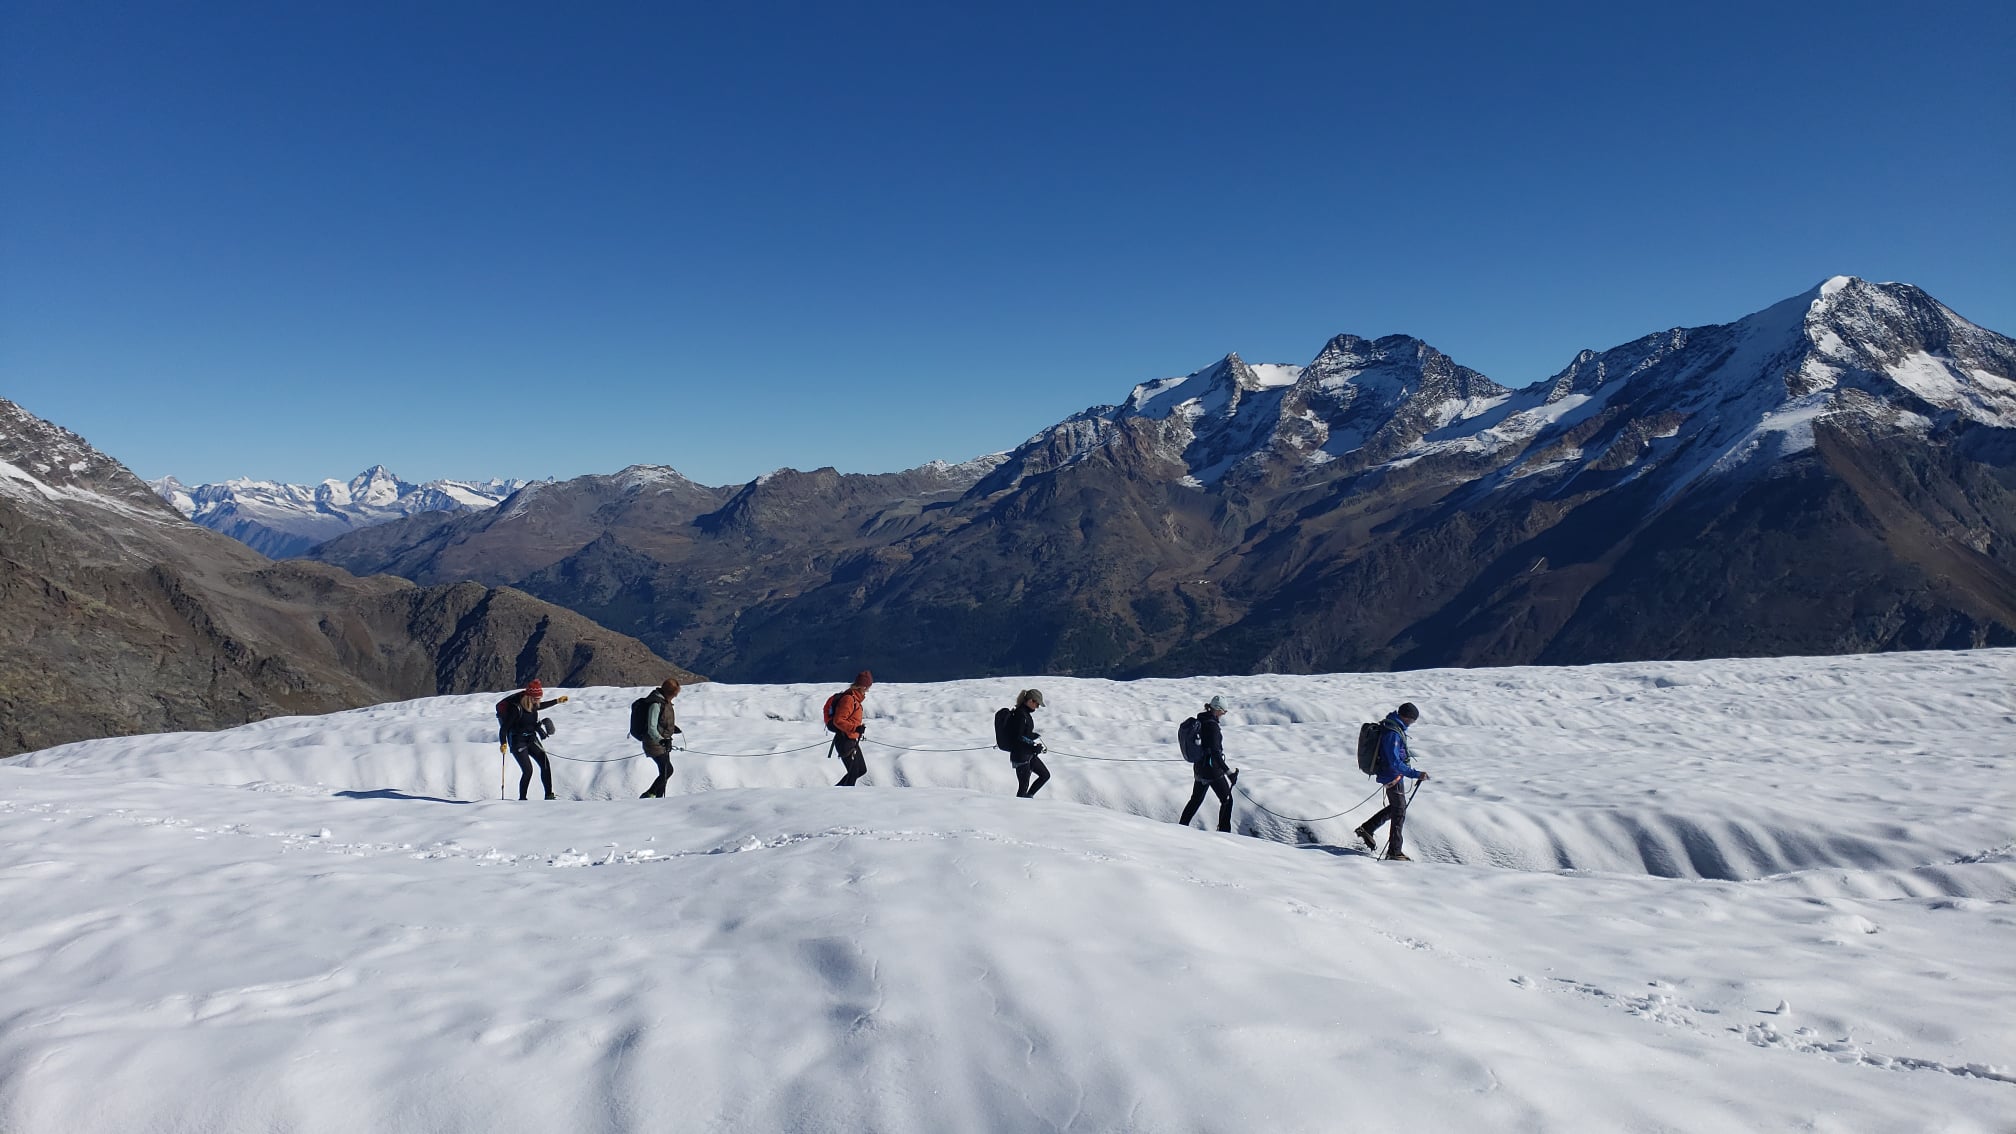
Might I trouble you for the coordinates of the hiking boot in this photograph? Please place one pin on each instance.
(1365, 837)
(1396, 856)
(550, 795)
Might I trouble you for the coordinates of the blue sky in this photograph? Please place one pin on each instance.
(476, 239)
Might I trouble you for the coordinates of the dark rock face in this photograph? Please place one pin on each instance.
(123, 617)
(1832, 474)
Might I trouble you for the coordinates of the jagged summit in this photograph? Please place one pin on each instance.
(41, 462)
(283, 520)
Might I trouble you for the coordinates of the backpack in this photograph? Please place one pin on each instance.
(1369, 735)
(1186, 739)
(640, 718)
(828, 712)
(506, 703)
(1004, 729)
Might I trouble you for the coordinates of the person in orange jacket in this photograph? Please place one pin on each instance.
(843, 716)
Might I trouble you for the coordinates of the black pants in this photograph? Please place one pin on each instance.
(527, 750)
(849, 750)
(1023, 770)
(1218, 783)
(661, 754)
(1395, 809)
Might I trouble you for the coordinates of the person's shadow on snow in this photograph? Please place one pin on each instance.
(393, 793)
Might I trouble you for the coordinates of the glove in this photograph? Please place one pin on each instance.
(1234, 781)
(1040, 750)
(562, 698)
(500, 750)
(862, 733)
(1424, 777)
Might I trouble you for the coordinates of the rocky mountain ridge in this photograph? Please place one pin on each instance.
(1830, 474)
(284, 520)
(122, 616)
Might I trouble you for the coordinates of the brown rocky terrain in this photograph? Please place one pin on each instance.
(120, 616)
(1836, 473)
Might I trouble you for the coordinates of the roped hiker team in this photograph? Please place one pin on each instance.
(1201, 738)
(1393, 771)
(843, 717)
(519, 730)
(1203, 744)
(654, 723)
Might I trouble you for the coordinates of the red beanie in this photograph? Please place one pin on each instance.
(536, 689)
(864, 679)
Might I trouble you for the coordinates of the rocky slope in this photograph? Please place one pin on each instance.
(1834, 473)
(124, 617)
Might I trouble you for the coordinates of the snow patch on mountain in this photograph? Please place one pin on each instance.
(281, 519)
(43, 464)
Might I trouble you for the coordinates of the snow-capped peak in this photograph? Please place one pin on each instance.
(287, 519)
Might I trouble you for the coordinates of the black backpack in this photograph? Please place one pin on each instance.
(640, 718)
(1004, 729)
(1369, 735)
(1186, 739)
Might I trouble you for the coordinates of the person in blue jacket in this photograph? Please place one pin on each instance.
(1394, 771)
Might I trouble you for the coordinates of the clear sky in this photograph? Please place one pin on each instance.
(480, 239)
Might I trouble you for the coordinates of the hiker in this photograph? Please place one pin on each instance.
(1023, 752)
(519, 729)
(1209, 768)
(1393, 770)
(843, 716)
(661, 724)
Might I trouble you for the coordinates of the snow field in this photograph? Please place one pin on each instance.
(1734, 895)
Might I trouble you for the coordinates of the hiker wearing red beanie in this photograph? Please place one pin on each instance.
(519, 731)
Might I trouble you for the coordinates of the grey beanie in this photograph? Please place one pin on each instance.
(1217, 703)
(1035, 695)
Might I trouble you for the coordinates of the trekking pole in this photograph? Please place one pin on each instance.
(1411, 793)
(503, 774)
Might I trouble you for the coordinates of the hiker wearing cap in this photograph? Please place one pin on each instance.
(519, 730)
(1209, 770)
(1023, 751)
(843, 716)
(660, 725)
(1393, 770)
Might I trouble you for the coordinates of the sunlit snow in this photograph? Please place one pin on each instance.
(1707, 896)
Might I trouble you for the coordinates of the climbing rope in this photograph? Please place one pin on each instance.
(901, 748)
(750, 755)
(1118, 759)
(989, 748)
(689, 751)
(586, 760)
(1319, 819)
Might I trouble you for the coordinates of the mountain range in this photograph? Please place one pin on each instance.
(122, 616)
(283, 520)
(1835, 473)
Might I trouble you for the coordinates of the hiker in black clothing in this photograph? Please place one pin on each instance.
(1209, 770)
(1024, 752)
(1393, 771)
(661, 724)
(518, 728)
